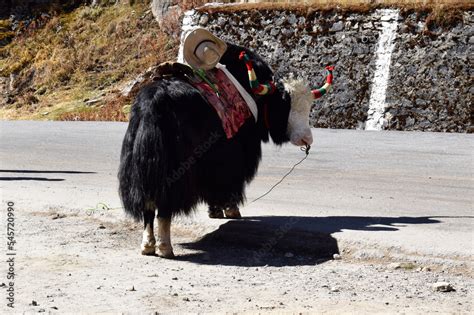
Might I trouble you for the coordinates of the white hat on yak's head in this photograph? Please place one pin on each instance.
(203, 50)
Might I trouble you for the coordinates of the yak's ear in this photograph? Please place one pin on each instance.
(279, 105)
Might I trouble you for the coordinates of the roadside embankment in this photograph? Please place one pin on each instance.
(395, 69)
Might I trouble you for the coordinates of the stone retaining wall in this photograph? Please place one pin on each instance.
(430, 83)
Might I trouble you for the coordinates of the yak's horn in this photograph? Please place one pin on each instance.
(317, 93)
(257, 88)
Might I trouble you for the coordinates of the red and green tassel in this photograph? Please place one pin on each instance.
(269, 88)
(257, 87)
(317, 93)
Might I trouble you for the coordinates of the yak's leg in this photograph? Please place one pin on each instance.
(232, 212)
(148, 242)
(217, 212)
(164, 236)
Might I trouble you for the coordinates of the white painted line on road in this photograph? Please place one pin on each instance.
(386, 44)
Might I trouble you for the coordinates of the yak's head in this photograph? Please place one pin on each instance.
(284, 114)
(298, 119)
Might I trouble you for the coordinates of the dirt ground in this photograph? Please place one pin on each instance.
(69, 261)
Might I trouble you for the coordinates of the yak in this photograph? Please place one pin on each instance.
(175, 154)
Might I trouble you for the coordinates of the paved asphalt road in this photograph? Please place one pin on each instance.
(406, 192)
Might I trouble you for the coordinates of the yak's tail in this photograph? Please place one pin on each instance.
(140, 172)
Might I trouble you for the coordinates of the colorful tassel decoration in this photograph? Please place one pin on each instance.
(317, 93)
(257, 88)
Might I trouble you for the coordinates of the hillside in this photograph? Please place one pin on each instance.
(72, 65)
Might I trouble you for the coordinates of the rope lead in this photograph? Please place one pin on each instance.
(306, 150)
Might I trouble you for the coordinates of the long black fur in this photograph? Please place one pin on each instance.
(175, 153)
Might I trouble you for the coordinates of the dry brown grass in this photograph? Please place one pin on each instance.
(88, 49)
(116, 108)
(97, 46)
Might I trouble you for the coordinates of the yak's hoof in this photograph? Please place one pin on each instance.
(216, 214)
(233, 213)
(148, 250)
(166, 251)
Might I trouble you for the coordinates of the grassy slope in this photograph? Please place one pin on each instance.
(92, 52)
(81, 55)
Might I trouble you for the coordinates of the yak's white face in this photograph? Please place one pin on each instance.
(298, 120)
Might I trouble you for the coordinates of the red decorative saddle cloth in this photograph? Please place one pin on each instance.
(228, 103)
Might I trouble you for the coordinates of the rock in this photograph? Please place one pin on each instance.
(221, 21)
(337, 27)
(368, 25)
(394, 266)
(443, 287)
(385, 18)
(58, 216)
(125, 91)
(288, 32)
(424, 124)
(420, 102)
(292, 19)
(41, 90)
(317, 28)
(336, 257)
(161, 9)
(280, 20)
(93, 101)
(204, 19)
(409, 122)
(34, 303)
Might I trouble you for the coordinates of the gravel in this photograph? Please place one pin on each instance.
(203, 275)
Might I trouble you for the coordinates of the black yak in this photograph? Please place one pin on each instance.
(175, 153)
